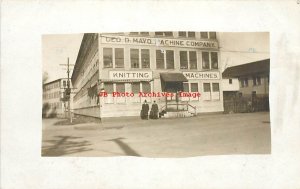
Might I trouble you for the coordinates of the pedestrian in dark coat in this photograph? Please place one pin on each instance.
(154, 111)
(145, 110)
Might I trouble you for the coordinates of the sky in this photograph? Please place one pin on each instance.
(56, 50)
(235, 49)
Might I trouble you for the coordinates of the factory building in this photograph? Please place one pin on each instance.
(116, 72)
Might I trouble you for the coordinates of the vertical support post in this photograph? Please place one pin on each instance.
(68, 86)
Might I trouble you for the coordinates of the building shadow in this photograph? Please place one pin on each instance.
(125, 147)
(64, 145)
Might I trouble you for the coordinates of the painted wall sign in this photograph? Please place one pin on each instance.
(202, 75)
(135, 75)
(160, 42)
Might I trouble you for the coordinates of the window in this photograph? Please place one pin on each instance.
(194, 87)
(161, 55)
(206, 91)
(146, 87)
(254, 81)
(258, 79)
(209, 60)
(134, 58)
(186, 34)
(230, 81)
(188, 59)
(244, 82)
(205, 60)
(135, 88)
(191, 34)
(193, 59)
(216, 91)
(160, 63)
(214, 60)
(183, 60)
(144, 33)
(109, 88)
(204, 35)
(170, 59)
(164, 33)
(120, 87)
(186, 87)
(182, 34)
(119, 57)
(210, 35)
(107, 57)
(137, 33)
(145, 58)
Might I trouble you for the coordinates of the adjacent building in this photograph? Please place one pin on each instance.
(53, 94)
(116, 72)
(253, 81)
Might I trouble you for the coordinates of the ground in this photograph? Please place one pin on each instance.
(219, 134)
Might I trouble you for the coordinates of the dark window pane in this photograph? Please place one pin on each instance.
(168, 33)
(146, 87)
(107, 57)
(206, 87)
(214, 60)
(193, 59)
(145, 58)
(254, 81)
(230, 81)
(159, 33)
(109, 88)
(119, 57)
(183, 60)
(144, 33)
(204, 35)
(134, 58)
(185, 87)
(194, 87)
(191, 34)
(170, 59)
(135, 88)
(215, 87)
(160, 63)
(182, 34)
(246, 82)
(212, 35)
(133, 33)
(205, 60)
(120, 87)
(258, 80)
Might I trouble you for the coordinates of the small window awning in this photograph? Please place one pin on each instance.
(173, 77)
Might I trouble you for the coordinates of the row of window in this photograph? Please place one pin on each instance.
(140, 58)
(211, 91)
(51, 95)
(51, 86)
(189, 34)
(256, 81)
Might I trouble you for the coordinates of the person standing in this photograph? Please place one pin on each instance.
(154, 110)
(145, 110)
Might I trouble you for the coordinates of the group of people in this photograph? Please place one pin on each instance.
(153, 111)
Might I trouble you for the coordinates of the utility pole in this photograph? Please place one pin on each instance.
(68, 91)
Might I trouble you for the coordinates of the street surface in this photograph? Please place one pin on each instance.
(218, 134)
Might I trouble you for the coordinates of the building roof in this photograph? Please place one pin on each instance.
(262, 66)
